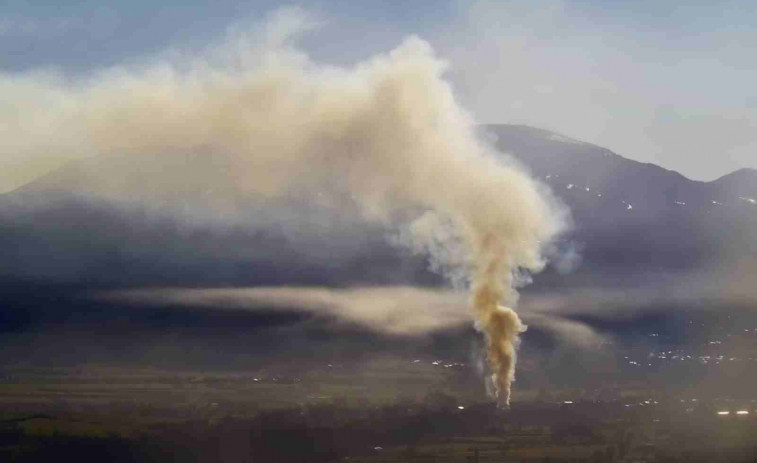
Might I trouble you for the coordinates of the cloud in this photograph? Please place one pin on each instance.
(14, 28)
(539, 62)
(605, 76)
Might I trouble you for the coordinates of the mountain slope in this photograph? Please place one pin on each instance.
(630, 219)
(741, 183)
(636, 216)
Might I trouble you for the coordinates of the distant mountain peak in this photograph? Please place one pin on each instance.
(744, 172)
(741, 183)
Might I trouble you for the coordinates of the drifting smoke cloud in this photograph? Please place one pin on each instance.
(391, 310)
(385, 137)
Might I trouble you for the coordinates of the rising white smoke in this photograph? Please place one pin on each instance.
(384, 136)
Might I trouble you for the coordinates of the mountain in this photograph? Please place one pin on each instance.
(120, 222)
(638, 217)
(560, 160)
(163, 218)
(175, 180)
(177, 219)
(741, 184)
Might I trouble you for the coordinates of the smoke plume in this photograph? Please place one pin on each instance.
(384, 137)
(402, 311)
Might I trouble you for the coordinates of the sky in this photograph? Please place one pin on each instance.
(671, 83)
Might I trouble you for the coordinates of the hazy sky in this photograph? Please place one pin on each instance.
(666, 82)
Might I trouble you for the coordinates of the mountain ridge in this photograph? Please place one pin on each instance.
(68, 173)
(151, 216)
(557, 136)
(594, 166)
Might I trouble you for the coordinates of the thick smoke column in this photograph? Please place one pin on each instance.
(384, 137)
